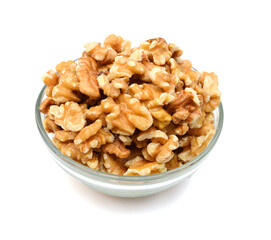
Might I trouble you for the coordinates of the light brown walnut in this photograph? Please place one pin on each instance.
(143, 168)
(183, 70)
(121, 46)
(70, 150)
(176, 52)
(152, 134)
(46, 104)
(117, 148)
(186, 107)
(69, 116)
(51, 80)
(166, 151)
(173, 163)
(94, 162)
(159, 50)
(103, 55)
(50, 126)
(112, 164)
(126, 114)
(88, 132)
(114, 87)
(211, 94)
(159, 77)
(86, 71)
(64, 136)
(102, 137)
(125, 67)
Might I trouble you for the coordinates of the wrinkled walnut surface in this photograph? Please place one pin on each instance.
(130, 111)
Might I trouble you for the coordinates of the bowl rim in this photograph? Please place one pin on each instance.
(109, 176)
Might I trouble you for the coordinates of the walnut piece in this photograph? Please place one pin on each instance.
(86, 73)
(112, 165)
(69, 116)
(143, 168)
(118, 148)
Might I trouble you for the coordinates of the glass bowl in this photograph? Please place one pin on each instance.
(126, 186)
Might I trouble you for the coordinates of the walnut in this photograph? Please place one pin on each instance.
(134, 162)
(154, 98)
(125, 67)
(86, 73)
(51, 80)
(160, 77)
(114, 87)
(88, 132)
(186, 106)
(183, 70)
(153, 134)
(159, 49)
(118, 148)
(94, 113)
(197, 140)
(45, 105)
(94, 162)
(112, 165)
(126, 114)
(104, 69)
(211, 94)
(69, 149)
(121, 46)
(166, 151)
(136, 113)
(102, 137)
(156, 109)
(103, 55)
(176, 52)
(173, 163)
(64, 136)
(143, 168)
(116, 120)
(145, 91)
(139, 144)
(125, 139)
(67, 88)
(50, 126)
(69, 116)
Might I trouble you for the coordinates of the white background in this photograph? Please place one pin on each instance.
(227, 198)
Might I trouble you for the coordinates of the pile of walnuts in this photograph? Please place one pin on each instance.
(130, 111)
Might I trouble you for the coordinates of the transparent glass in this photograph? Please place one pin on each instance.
(126, 186)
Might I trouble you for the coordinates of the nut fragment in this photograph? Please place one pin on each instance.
(88, 132)
(159, 50)
(50, 126)
(64, 136)
(166, 151)
(45, 105)
(146, 168)
(101, 54)
(118, 148)
(69, 116)
(67, 88)
(86, 73)
(112, 165)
